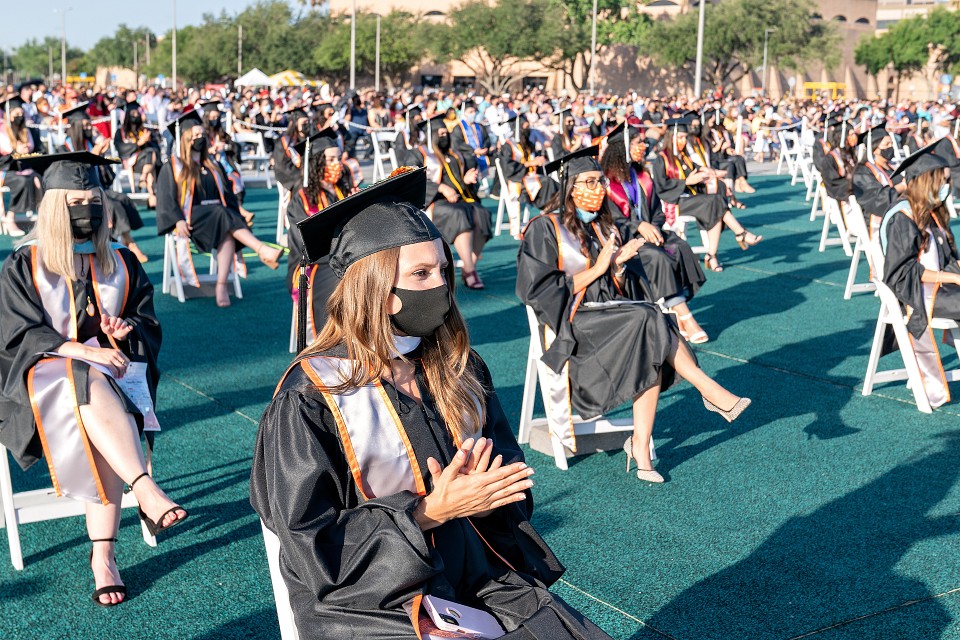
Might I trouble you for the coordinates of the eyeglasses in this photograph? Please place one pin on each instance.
(591, 183)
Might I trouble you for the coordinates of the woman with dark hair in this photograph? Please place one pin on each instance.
(688, 189)
(287, 164)
(121, 215)
(136, 147)
(521, 164)
(872, 185)
(24, 184)
(572, 271)
(385, 464)
(921, 260)
(196, 203)
(723, 150)
(451, 198)
(838, 165)
(77, 316)
(326, 183)
(665, 258)
(226, 153)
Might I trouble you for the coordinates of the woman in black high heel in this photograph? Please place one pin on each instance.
(77, 315)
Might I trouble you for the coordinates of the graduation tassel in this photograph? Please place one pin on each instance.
(306, 163)
(626, 141)
(302, 307)
(516, 129)
(956, 126)
(870, 144)
(176, 144)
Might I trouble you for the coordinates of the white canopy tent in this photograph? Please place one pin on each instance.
(255, 78)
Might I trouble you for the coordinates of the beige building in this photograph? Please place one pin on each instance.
(618, 69)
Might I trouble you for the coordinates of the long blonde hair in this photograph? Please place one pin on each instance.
(358, 319)
(53, 236)
(925, 205)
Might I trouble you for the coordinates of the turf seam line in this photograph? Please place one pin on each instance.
(819, 379)
(902, 605)
(618, 610)
(211, 398)
(787, 275)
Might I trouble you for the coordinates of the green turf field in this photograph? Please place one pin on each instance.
(820, 513)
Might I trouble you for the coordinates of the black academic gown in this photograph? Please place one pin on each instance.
(902, 271)
(25, 334)
(821, 149)
(836, 176)
(351, 564)
(672, 268)
(874, 198)
(615, 353)
(514, 171)
(24, 192)
(286, 171)
(210, 223)
(707, 208)
(322, 280)
(148, 154)
(458, 141)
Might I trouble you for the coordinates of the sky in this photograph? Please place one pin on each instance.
(84, 27)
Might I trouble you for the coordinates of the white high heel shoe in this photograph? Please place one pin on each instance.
(10, 228)
(648, 475)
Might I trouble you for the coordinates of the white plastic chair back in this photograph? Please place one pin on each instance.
(288, 626)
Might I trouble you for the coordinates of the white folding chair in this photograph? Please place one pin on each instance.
(789, 147)
(680, 226)
(891, 314)
(282, 203)
(381, 152)
(173, 279)
(951, 206)
(858, 227)
(505, 195)
(288, 625)
(25, 507)
(536, 368)
(833, 217)
(259, 160)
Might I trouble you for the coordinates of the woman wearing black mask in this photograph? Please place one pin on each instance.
(137, 149)
(24, 185)
(520, 163)
(385, 463)
(67, 291)
(195, 201)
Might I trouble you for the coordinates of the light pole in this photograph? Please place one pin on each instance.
(63, 45)
(240, 52)
(174, 45)
(593, 50)
(766, 35)
(697, 82)
(376, 77)
(353, 44)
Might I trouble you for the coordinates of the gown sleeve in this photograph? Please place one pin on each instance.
(874, 198)
(541, 283)
(669, 189)
(360, 556)
(902, 269)
(169, 212)
(835, 182)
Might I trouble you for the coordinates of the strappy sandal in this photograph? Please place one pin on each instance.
(698, 337)
(472, 275)
(113, 588)
(156, 526)
(736, 204)
(707, 258)
(742, 240)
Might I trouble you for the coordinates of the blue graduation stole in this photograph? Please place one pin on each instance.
(471, 133)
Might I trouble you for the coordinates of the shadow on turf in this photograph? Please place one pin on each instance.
(262, 624)
(830, 566)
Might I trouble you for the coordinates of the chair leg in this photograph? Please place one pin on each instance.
(852, 275)
(559, 454)
(501, 205)
(816, 204)
(10, 511)
(874, 361)
(529, 398)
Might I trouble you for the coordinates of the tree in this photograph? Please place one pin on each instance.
(32, 58)
(873, 54)
(401, 37)
(491, 40)
(117, 50)
(734, 37)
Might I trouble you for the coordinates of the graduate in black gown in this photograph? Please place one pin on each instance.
(724, 151)
(225, 152)
(948, 149)
(521, 164)
(287, 163)
(690, 190)
(873, 187)
(837, 167)
(822, 147)
(139, 151)
(23, 183)
(571, 270)
(921, 260)
(665, 258)
(919, 137)
(366, 533)
(327, 182)
(471, 140)
(72, 301)
(452, 201)
(121, 214)
(195, 202)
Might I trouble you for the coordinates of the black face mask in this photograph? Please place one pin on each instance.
(443, 144)
(85, 220)
(695, 130)
(423, 312)
(887, 153)
(17, 121)
(135, 118)
(569, 129)
(199, 145)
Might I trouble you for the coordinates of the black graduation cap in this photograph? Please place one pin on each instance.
(575, 163)
(76, 170)
(947, 149)
(318, 107)
(209, 106)
(680, 124)
(295, 113)
(13, 102)
(431, 124)
(514, 123)
(714, 113)
(922, 161)
(872, 135)
(316, 143)
(76, 113)
(385, 215)
(186, 120)
(625, 131)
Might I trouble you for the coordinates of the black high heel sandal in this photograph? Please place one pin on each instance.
(155, 527)
(716, 268)
(113, 588)
(742, 240)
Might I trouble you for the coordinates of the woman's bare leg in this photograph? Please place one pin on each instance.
(683, 362)
(113, 433)
(225, 257)
(713, 239)
(103, 522)
(463, 243)
(644, 414)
